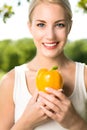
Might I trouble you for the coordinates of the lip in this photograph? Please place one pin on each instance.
(50, 45)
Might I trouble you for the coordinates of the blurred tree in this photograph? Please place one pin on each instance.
(3, 45)
(77, 50)
(16, 53)
(10, 58)
(83, 5)
(26, 48)
(6, 11)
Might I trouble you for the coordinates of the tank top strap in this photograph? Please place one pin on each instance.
(21, 95)
(79, 78)
(20, 86)
(79, 95)
(79, 88)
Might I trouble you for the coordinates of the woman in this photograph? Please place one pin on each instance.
(22, 107)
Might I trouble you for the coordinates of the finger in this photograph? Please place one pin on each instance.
(56, 105)
(50, 105)
(56, 99)
(58, 93)
(63, 103)
(49, 113)
(59, 98)
(35, 96)
(51, 98)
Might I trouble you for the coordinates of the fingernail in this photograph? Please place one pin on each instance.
(47, 88)
(61, 90)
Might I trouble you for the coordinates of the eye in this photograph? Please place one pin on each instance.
(40, 24)
(60, 25)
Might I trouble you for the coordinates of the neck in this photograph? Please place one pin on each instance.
(44, 62)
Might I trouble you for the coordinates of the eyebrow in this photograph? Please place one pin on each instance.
(40, 21)
(61, 20)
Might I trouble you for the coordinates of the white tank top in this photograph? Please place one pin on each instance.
(22, 96)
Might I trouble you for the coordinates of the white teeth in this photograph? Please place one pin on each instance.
(50, 45)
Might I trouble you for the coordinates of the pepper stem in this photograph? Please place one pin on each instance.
(54, 68)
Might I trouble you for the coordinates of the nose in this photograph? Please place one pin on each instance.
(50, 33)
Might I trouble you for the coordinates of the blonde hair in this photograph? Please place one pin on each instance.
(64, 3)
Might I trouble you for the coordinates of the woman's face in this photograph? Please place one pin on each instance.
(49, 29)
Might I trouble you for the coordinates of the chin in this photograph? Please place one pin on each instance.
(50, 55)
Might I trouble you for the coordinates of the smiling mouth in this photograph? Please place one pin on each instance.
(50, 45)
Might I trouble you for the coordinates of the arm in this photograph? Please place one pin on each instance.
(7, 107)
(60, 109)
(6, 102)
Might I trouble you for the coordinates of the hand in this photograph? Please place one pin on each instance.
(58, 107)
(33, 114)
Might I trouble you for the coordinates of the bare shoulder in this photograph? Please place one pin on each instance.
(7, 85)
(7, 80)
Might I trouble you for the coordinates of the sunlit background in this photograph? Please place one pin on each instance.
(16, 31)
(16, 26)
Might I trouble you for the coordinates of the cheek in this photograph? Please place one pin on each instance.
(37, 36)
(64, 34)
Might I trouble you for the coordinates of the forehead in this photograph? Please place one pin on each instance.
(48, 11)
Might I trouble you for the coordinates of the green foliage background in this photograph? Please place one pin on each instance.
(13, 53)
(77, 50)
